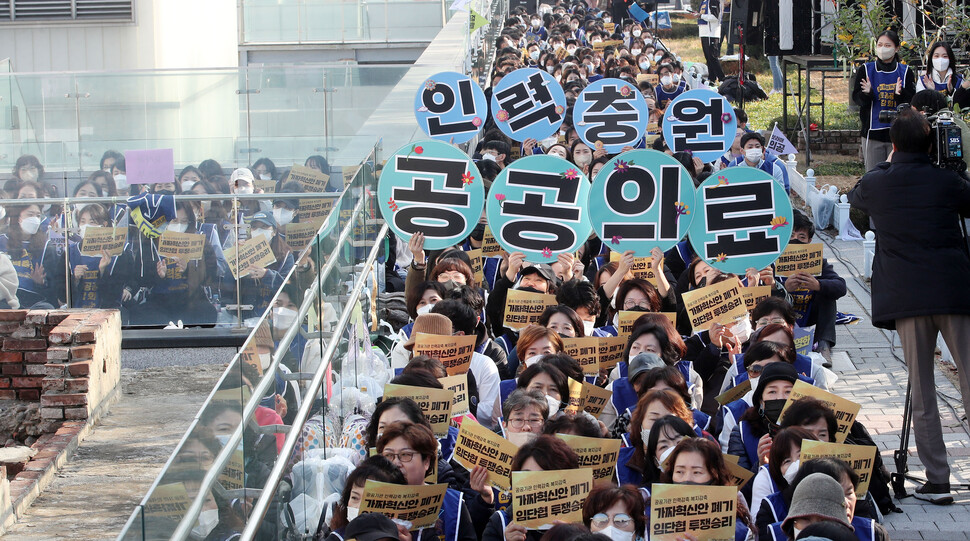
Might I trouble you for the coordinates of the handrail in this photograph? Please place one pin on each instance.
(276, 475)
(119, 199)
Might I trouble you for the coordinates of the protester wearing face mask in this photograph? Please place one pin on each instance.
(751, 439)
(881, 85)
(616, 512)
(665, 434)
(261, 283)
(94, 283)
(783, 463)
(754, 154)
(524, 413)
(549, 381)
(375, 468)
(285, 211)
(941, 74)
(264, 169)
(540, 278)
(582, 155)
(39, 265)
(563, 320)
(28, 169)
(671, 85)
(243, 183)
(698, 461)
(533, 342)
(167, 188)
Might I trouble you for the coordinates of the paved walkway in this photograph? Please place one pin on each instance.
(872, 375)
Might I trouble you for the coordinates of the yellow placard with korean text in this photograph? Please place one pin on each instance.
(593, 400)
(861, 458)
(706, 512)
(754, 294)
(169, 501)
(720, 303)
(435, 403)
(524, 308)
(611, 350)
(417, 504)
(642, 267)
(490, 246)
(479, 446)
(475, 256)
(255, 252)
(458, 385)
(455, 352)
(541, 497)
(109, 239)
(845, 410)
(626, 318)
(586, 351)
(311, 179)
(800, 258)
(185, 246)
(598, 454)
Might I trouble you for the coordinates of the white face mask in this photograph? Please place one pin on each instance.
(792, 471)
(187, 186)
(607, 20)
(645, 65)
(265, 359)
(583, 160)
(885, 53)
(554, 405)
(665, 455)
(549, 141)
(635, 52)
(176, 227)
(283, 216)
(666, 80)
(352, 513)
(81, 229)
(208, 520)
(283, 318)
(615, 534)
(521, 438)
(753, 154)
(535, 23)
(645, 436)
(550, 69)
(797, 531)
(754, 382)
(589, 327)
(121, 181)
(426, 309)
(244, 190)
(657, 57)
(532, 360)
(28, 176)
(571, 50)
(636, 33)
(265, 176)
(626, 34)
(488, 157)
(941, 64)
(30, 225)
(267, 233)
(534, 55)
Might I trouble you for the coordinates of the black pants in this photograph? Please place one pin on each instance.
(712, 50)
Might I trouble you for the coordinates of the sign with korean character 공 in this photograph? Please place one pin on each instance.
(610, 114)
(743, 219)
(432, 188)
(702, 122)
(528, 103)
(450, 107)
(538, 206)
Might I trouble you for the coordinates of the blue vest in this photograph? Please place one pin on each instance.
(664, 97)
(449, 517)
(624, 473)
(85, 293)
(490, 269)
(941, 87)
(776, 503)
(506, 386)
(884, 96)
(750, 441)
(863, 530)
(624, 396)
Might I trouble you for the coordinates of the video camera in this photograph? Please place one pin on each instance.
(947, 145)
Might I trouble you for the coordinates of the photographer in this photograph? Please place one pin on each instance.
(919, 275)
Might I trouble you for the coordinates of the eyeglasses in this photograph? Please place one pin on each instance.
(519, 423)
(629, 305)
(403, 456)
(768, 321)
(755, 370)
(620, 520)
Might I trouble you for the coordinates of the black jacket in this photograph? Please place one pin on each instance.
(921, 263)
(864, 100)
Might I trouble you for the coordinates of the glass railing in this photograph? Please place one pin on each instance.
(218, 471)
(342, 21)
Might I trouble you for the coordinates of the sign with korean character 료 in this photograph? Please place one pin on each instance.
(640, 200)
(742, 219)
(537, 206)
(450, 107)
(610, 114)
(700, 121)
(433, 188)
(528, 104)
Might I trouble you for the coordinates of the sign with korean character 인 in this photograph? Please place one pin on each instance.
(433, 188)
(610, 114)
(640, 200)
(450, 107)
(537, 206)
(528, 104)
(700, 121)
(743, 219)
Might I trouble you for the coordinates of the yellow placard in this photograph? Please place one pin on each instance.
(490, 246)
(598, 454)
(311, 179)
(475, 256)
(754, 294)
(642, 267)
(435, 403)
(232, 476)
(575, 394)
(541, 497)
(185, 246)
(626, 318)
(594, 399)
(458, 385)
(845, 410)
(479, 446)
(611, 350)
(609, 27)
(861, 458)
(651, 78)
(314, 211)
(110, 239)
(255, 252)
(169, 501)
(455, 352)
(739, 475)
(524, 308)
(268, 186)
(300, 234)
(706, 512)
(417, 504)
(586, 351)
(800, 258)
(720, 303)
(734, 393)
(599, 46)
(249, 355)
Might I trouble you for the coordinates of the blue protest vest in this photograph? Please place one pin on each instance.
(802, 301)
(608, 330)
(506, 386)
(449, 517)
(776, 533)
(85, 294)
(664, 97)
(776, 503)
(624, 369)
(884, 96)
(448, 442)
(942, 87)
(490, 269)
(750, 441)
(701, 419)
(864, 529)
(624, 473)
(624, 395)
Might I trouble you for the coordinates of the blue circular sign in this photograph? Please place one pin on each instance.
(640, 200)
(537, 205)
(700, 121)
(610, 114)
(450, 107)
(743, 219)
(528, 103)
(433, 188)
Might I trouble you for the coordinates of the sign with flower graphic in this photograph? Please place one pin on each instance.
(450, 107)
(528, 104)
(702, 122)
(610, 114)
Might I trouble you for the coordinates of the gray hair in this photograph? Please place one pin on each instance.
(522, 398)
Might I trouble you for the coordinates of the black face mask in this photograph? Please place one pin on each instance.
(529, 289)
(636, 309)
(795, 241)
(770, 411)
(695, 483)
(165, 192)
(478, 233)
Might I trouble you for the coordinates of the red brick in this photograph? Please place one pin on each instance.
(57, 316)
(13, 315)
(77, 385)
(82, 352)
(74, 424)
(60, 336)
(12, 369)
(30, 475)
(36, 317)
(58, 353)
(25, 331)
(39, 464)
(24, 345)
(55, 414)
(29, 394)
(28, 382)
(35, 369)
(4, 383)
(11, 357)
(63, 400)
(55, 370)
(8, 395)
(45, 330)
(36, 357)
(8, 327)
(53, 385)
(79, 369)
(75, 413)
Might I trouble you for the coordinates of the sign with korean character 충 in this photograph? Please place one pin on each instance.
(700, 121)
(640, 200)
(433, 188)
(450, 107)
(742, 219)
(610, 114)
(528, 104)
(537, 206)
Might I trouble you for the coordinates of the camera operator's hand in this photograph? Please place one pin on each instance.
(866, 85)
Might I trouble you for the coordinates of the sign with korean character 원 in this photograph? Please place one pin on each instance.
(700, 121)
(528, 104)
(610, 114)
(743, 219)
(639, 200)
(433, 188)
(537, 206)
(450, 107)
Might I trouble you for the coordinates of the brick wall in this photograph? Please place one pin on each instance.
(845, 142)
(68, 360)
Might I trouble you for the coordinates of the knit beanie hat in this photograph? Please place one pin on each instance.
(429, 324)
(818, 495)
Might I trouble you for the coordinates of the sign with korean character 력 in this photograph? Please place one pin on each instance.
(528, 104)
